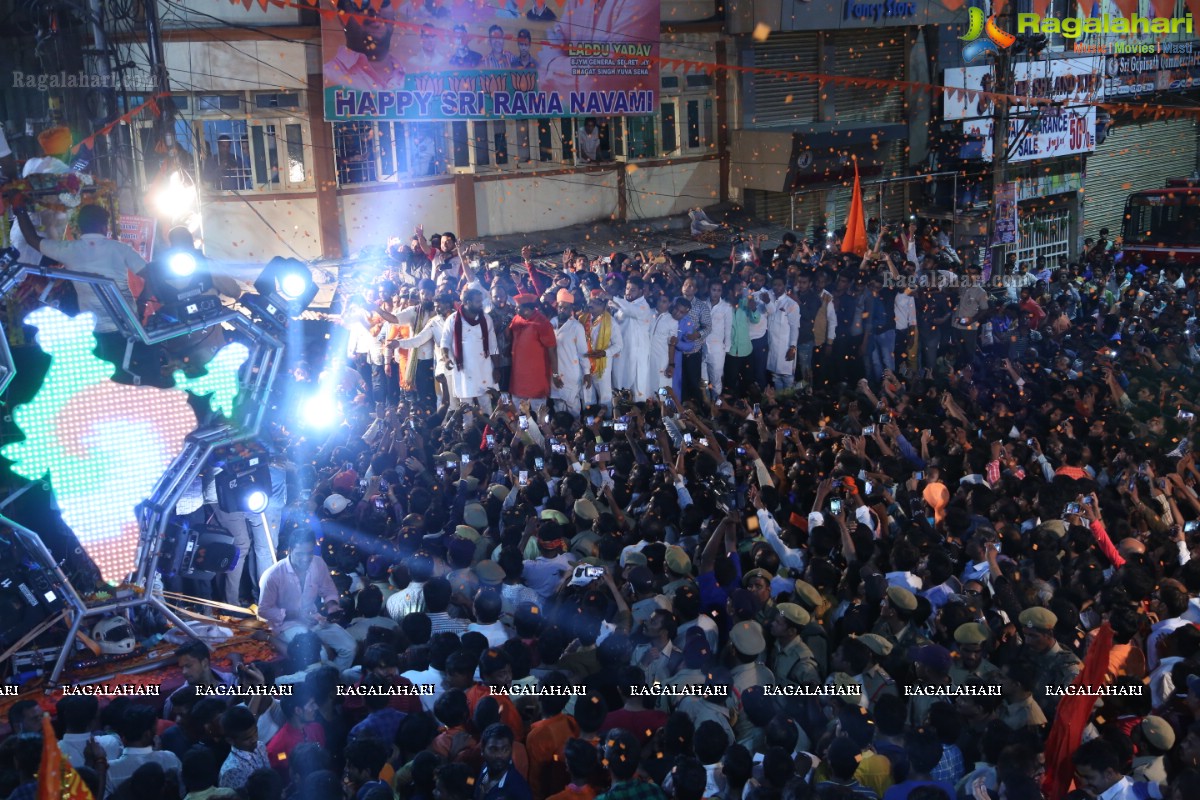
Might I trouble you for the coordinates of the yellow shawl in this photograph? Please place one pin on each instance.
(603, 340)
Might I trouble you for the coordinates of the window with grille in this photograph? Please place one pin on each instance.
(242, 143)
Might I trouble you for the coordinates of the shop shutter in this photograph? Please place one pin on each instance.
(778, 101)
(875, 54)
(771, 207)
(1134, 158)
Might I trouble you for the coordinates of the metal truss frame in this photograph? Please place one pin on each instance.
(256, 378)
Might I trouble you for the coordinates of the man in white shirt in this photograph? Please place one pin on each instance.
(77, 714)
(574, 367)
(1098, 774)
(783, 332)
(94, 253)
(487, 614)
(635, 318)
(137, 726)
(717, 343)
(411, 599)
(589, 141)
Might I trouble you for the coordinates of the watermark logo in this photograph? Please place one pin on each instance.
(983, 36)
(54, 81)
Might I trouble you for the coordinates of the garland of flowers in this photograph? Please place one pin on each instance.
(61, 193)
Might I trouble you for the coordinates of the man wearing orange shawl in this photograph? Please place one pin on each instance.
(604, 339)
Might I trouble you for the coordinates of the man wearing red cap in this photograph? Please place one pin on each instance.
(534, 353)
(574, 368)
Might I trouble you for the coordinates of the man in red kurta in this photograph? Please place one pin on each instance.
(534, 353)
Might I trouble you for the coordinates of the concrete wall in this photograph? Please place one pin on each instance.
(210, 14)
(672, 189)
(536, 204)
(235, 233)
(369, 219)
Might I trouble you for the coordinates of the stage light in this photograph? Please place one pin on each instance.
(106, 445)
(319, 411)
(181, 264)
(181, 285)
(244, 485)
(175, 199)
(292, 286)
(198, 551)
(256, 501)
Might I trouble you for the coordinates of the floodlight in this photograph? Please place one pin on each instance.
(181, 284)
(319, 411)
(244, 485)
(181, 263)
(292, 286)
(255, 501)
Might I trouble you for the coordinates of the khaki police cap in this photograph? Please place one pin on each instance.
(747, 638)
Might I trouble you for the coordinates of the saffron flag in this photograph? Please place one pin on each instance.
(57, 779)
(1066, 733)
(855, 240)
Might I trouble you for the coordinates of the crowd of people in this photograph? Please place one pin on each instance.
(793, 524)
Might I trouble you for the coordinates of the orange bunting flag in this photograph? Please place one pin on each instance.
(57, 779)
(855, 240)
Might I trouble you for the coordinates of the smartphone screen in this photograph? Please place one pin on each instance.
(835, 506)
(539, 463)
(523, 478)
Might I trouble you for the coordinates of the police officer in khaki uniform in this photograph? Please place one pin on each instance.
(968, 658)
(790, 660)
(1054, 665)
(875, 679)
(1155, 737)
(807, 597)
(895, 619)
(758, 582)
(747, 644)
(679, 569)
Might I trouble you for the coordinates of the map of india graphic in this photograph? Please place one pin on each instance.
(104, 446)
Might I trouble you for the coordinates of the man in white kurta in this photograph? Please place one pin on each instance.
(783, 330)
(574, 373)
(662, 343)
(717, 343)
(430, 336)
(602, 356)
(470, 366)
(631, 370)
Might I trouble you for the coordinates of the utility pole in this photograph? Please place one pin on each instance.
(1005, 66)
(158, 67)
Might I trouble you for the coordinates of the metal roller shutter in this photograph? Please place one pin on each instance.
(1133, 158)
(769, 206)
(869, 54)
(780, 101)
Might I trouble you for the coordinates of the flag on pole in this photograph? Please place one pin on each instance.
(1072, 716)
(57, 779)
(855, 240)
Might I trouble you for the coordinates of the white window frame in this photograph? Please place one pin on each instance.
(250, 116)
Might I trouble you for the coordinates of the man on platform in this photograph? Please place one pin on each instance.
(574, 367)
(636, 319)
(534, 353)
(470, 346)
(605, 345)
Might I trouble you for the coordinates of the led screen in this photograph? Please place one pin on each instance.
(102, 445)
